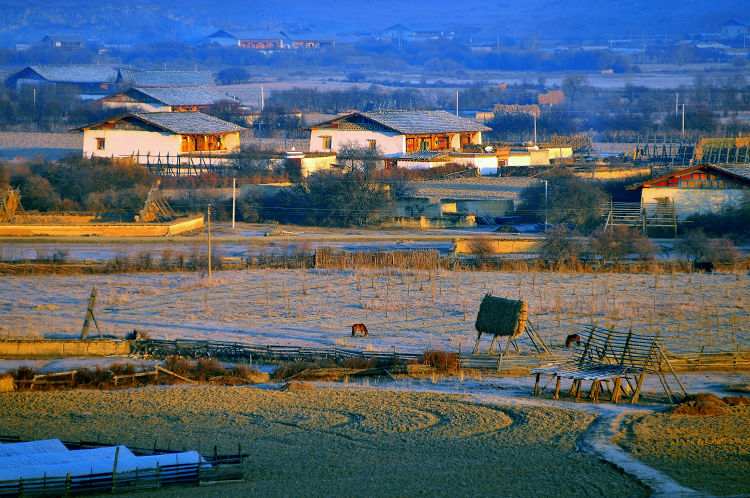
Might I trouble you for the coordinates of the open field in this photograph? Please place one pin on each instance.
(404, 310)
(709, 454)
(335, 442)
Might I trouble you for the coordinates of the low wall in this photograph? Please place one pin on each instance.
(27, 348)
(519, 245)
(103, 229)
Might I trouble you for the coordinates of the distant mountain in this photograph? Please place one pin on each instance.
(136, 21)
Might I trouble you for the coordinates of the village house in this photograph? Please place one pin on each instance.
(396, 132)
(147, 78)
(69, 42)
(146, 135)
(699, 189)
(166, 99)
(89, 81)
(409, 139)
(263, 40)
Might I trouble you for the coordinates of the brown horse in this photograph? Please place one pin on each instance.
(571, 339)
(359, 328)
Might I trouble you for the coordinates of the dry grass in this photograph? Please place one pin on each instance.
(409, 310)
(708, 453)
(337, 443)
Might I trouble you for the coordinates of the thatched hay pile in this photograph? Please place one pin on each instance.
(499, 316)
(708, 404)
(6, 383)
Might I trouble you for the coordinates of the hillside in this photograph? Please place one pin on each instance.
(189, 20)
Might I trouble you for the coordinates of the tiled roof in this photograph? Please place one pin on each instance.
(190, 95)
(76, 74)
(244, 34)
(423, 155)
(141, 78)
(310, 36)
(741, 170)
(65, 38)
(187, 122)
(414, 122)
(418, 122)
(178, 122)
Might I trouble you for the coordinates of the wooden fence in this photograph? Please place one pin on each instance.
(224, 350)
(215, 469)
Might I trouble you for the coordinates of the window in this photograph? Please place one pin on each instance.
(100, 144)
(373, 144)
(327, 142)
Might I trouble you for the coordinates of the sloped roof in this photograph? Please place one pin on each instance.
(246, 34)
(75, 38)
(141, 78)
(424, 155)
(72, 74)
(417, 122)
(189, 95)
(310, 35)
(738, 171)
(182, 123)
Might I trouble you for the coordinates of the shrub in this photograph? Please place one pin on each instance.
(560, 247)
(440, 360)
(696, 246)
(38, 194)
(614, 245)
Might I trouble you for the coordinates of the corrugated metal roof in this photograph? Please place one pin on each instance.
(190, 95)
(187, 122)
(141, 78)
(310, 35)
(741, 170)
(423, 155)
(76, 74)
(419, 122)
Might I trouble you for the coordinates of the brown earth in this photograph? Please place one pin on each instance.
(337, 442)
(707, 453)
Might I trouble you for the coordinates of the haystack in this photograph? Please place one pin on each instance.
(501, 317)
(6, 383)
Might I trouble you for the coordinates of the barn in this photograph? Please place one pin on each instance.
(700, 189)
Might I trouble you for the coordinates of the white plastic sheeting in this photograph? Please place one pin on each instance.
(32, 447)
(104, 463)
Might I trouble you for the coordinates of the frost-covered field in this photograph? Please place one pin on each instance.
(408, 311)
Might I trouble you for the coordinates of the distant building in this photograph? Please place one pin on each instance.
(160, 134)
(174, 99)
(263, 40)
(553, 97)
(397, 132)
(700, 189)
(309, 39)
(70, 42)
(734, 29)
(88, 80)
(146, 78)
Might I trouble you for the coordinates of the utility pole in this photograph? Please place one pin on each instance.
(262, 99)
(545, 204)
(456, 102)
(234, 199)
(676, 103)
(534, 129)
(209, 241)
(683, 120)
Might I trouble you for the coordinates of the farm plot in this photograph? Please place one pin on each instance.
(405, 310)
(335, 442)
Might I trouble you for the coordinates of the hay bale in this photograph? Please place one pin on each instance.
(499, 316)
(6, 384)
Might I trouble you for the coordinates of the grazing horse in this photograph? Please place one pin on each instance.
(571, 339)
(359, 328)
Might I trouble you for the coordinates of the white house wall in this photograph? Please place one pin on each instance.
(690, 201)
(387, 142)
(313, 164)
(487, 165)
(120, 143)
